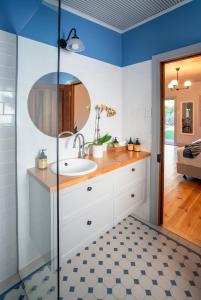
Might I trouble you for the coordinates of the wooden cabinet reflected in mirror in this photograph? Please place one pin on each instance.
(74, 104)
(187, 117)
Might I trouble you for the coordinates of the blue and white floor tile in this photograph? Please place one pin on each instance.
(131, 261)
(39, 286)
(15, 294)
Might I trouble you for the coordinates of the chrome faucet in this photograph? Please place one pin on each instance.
(65, 132)
(81, 152)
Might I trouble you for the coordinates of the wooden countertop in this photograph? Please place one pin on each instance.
(111, 161)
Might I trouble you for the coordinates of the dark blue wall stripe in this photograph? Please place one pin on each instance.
(175, 29)
(178, 28)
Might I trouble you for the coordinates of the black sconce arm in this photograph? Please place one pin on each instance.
(63, 43)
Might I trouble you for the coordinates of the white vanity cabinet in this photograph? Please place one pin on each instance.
(90, 208)
(86, 211)
(130, 189)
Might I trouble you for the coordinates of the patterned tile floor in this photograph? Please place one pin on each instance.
(131, 261)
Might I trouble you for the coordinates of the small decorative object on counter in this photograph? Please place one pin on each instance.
(98, 145)
(115, 142)
(130, 145)
(137, 145)
(42, 160)
(117, 146)
(97, 151)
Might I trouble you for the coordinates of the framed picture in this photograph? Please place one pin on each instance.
(187, 117)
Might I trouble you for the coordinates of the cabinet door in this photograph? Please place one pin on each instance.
(78, 231)
(128, 200)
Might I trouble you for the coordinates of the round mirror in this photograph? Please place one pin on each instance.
(73, 106)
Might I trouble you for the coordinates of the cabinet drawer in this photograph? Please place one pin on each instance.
(82, 229)
(130, 174)
(129, 199)
(78, 198)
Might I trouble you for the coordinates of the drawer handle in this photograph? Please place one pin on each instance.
(132, 195)
(89, 222)
(133, 169)
(89, 188)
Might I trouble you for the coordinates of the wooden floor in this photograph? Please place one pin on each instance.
(182, 201)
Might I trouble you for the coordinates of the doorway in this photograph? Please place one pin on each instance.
(179, 181)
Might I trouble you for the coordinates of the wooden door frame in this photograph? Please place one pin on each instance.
(157, 169)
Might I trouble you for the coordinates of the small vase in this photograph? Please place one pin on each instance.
(97, 151)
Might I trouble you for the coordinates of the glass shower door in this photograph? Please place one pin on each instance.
(37, 147)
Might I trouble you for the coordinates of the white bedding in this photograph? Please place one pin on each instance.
(188, 161)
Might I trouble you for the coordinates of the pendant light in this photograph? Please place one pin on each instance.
(174, 84)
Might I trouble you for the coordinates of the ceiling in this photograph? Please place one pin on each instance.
(190, 69)
(121, 15)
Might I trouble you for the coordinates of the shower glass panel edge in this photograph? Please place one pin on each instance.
(38, 208)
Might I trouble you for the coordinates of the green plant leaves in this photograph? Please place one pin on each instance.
(102, 140)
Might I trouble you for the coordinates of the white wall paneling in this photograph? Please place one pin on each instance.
(137, 97)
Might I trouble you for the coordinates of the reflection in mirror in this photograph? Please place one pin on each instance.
(74, 104)
(187, 117)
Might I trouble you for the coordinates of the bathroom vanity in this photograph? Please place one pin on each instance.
(88, 205)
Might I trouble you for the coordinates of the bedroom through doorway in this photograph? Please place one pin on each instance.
(181, 203)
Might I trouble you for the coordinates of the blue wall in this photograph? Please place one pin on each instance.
(101, 43)
(31, 19)
(14, 15)
(178, 28)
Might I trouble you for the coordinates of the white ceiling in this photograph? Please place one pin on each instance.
(121, 15)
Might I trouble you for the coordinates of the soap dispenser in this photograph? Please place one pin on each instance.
(137, 146)
(42, 160)
(130, 145)
(115, 142)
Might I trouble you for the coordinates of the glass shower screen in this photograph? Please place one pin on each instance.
(38, 240)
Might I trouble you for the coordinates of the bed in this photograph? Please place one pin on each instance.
(188, 166)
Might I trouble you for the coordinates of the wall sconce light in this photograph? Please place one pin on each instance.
(72, 43)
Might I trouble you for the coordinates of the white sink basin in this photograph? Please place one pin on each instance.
(74, 167)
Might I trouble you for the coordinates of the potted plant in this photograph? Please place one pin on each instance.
(97, 149)
(100, 108)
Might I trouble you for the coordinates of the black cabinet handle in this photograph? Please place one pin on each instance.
(89, 222)
(89, 189)
(133, 169)
(132, 195)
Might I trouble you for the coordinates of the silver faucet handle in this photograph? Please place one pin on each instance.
(81, 152)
